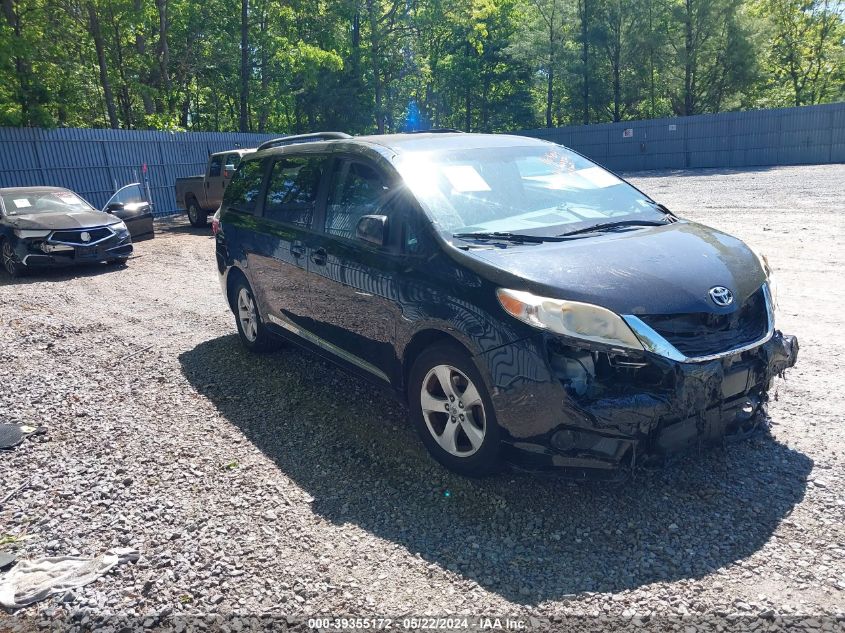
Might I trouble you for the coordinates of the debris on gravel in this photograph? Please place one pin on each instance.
(280, 485)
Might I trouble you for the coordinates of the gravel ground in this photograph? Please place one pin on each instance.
(280, 484)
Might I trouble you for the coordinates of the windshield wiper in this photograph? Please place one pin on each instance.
(509, 237)
(612, 225)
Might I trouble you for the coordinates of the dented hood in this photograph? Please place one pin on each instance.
(650, 270)
(60, 221)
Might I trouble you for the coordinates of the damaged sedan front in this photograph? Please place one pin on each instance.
(47, 227)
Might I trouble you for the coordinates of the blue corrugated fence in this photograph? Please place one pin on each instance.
(94, 163)
(783, 136)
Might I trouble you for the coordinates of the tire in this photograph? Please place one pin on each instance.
(9, 260)
(252, 332)
(196, 216)
(469, 445)
(120, 261)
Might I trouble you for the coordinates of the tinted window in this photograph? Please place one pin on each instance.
(356, 190)
(242, 193)
(214, 170)
(292, 190)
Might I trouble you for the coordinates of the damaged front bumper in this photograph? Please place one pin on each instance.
(597, 413)
(67, 248)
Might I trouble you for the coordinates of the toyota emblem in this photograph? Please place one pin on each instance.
(721, 296)
(86, 237)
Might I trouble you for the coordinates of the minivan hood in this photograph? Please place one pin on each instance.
(651, 270)
(60, 221)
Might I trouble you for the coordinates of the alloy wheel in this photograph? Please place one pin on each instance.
(247, 315)
(192, 213)
(8, 258)
(453, 410)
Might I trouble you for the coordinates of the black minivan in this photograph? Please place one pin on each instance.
(530, 307)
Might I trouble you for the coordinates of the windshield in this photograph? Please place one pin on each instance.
(531, 189)
(27, 201)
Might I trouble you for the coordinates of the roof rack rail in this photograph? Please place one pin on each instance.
(303, 138)
(436, 130)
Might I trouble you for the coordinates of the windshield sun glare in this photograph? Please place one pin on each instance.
(532, 190)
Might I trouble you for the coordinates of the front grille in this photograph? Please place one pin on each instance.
(75, 236)
(703, 334)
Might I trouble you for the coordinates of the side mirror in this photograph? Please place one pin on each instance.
(372, 229)
(111, 207)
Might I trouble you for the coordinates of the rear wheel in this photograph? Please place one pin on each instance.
(254, 335)
(11, 265)
(196, 216)
(453, 412)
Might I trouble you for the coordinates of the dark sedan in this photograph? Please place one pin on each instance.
(51, 226)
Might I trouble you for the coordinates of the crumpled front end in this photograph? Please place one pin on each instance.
(74, 246)
(592, 411)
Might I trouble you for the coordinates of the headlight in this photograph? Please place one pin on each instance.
(24, 233)
(570, 318)
(118, 227)
(770, 278)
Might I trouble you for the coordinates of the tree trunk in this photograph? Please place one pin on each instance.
(163, 51)
(124, 98)
(244, 98)
(264, 108)
(651, 58)
(615, 63)
(375, 64)
(689, 62)
(468, 93)
(97, 34)
(585, 58)
(23, 69)
(485, 103)
(143, 74)
(550, 81)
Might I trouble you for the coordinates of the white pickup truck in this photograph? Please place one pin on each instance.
(201, 195)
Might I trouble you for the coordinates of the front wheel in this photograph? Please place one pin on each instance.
(453, 412)
(253, 333)
(196, 216)
(11, 265)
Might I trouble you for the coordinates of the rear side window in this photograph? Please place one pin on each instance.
(356, 190)
(292, 189)
(214, 169)
(243, 192)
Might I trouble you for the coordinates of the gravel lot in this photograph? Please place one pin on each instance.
(280, 484)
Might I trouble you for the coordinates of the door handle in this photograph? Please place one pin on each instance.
(319, 256)
(297, 250)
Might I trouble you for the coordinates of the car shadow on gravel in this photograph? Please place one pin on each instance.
(524, 537)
